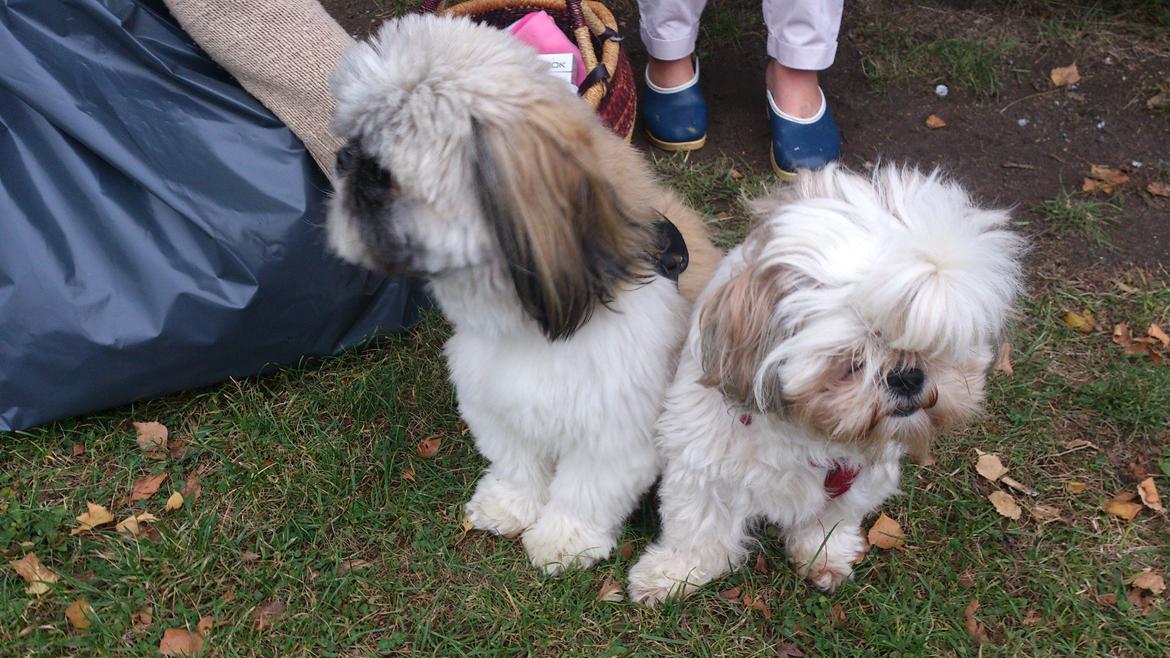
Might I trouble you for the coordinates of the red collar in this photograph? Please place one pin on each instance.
(838, 480)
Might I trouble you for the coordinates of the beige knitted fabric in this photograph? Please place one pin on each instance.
(283, 52)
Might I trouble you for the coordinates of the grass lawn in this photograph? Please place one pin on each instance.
(317, 522)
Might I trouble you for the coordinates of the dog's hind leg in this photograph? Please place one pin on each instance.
(704, 535)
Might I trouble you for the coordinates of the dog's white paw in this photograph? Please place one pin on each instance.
(502, 507)
(557, 542)
(826, 562)
(659, 576)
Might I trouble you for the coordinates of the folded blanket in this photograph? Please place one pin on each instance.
(282, 51)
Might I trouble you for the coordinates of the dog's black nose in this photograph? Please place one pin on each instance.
(906, 382)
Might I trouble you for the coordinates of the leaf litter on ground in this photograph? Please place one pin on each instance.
(40, 578)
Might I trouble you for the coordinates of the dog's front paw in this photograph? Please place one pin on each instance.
(557, 542)
(826, 562)
(661, 575)
(502, 507)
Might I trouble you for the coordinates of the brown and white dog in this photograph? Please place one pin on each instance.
(537, 229)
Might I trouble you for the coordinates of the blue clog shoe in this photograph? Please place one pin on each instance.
(802, 143)
(675, 118)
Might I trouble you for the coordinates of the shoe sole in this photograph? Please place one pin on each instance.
(782, 174)
(677, 146)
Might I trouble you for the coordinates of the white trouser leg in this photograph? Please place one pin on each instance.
(802, 34)
(670, 27)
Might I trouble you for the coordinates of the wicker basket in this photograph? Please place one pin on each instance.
(609, 86)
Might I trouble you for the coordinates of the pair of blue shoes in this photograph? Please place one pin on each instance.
(675, 119)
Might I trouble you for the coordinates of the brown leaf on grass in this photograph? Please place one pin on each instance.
(735, 173)
(1045, 513)
(1148, 491)
(611, 590)
(975, 628)
(345, 566)
(1149, 581)
(408, 474)
(761, 565)
(204, 625)
(837, 614)
(177, 448)
(1003, 363)
(428, 447)
(1031, 618)
(886, 533)
(626, 551)
(1121, 507)
(1005, 505)
(133, 525)
(78, 449)
(1111, 175)
(1075, 487)
(789, 650)
(1063, 76)
(1082, 322)
(730, 594)
(95, 515)
(935, 122)
(1155, 332)
(1121, 334)
(174, 502)
(78, 613)
(757, 604)
(967, 578)
(152, 439)
(1140, 601)
(147, 486)
(180, 642)
(268, 613)
(1158, 188)
(40, 578)
(1107, 600)
(249, 556)
(990, 467)
(191, 488)
(1158, 101)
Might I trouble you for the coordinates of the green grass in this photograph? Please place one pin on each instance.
(890, 54)
(315, 466)
(1071, 211)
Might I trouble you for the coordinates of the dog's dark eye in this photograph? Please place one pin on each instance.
(346, 158)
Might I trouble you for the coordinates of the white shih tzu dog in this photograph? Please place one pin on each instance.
(542, 237)
(854, 323)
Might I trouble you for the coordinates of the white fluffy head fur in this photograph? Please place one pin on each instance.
(466, 158)
(867, 308)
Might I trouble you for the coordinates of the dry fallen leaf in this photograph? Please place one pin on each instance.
(1031, 618)
(408, 474)
(789, 650)
(1156, 333)
(1157, 101)
(1005, 504)
(95, 516)
(975, 629)
(1082, 322)
(191, 488)
(990, 467)
(734, 173)
(268, 613)
(1107, 600)
(1045, 513)
(1004, 362)
(1120, 507)
(730, 594)
(78, 613)
(132, 525)
(180, 642)
(345, 566)
(78, 449)
(1075, 487)
(1149, 581)
(886, 533)
(761, 565)
(611, 590)
(1064, 76)
(249, 556)
(626, 551)
(174, 502)
(1138, 599)
(1148, 491)
(147, 486)
(39, 577)
(1121, 334)
(758, 605)
(967, 578)
(934, 121)
(152, 439)
(1158, 188)
(428, 447)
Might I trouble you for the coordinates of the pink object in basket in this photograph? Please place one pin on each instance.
(540, 31)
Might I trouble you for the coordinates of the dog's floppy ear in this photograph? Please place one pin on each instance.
(737, 330)
(564, 230)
